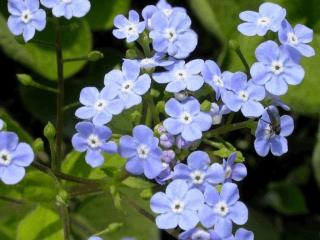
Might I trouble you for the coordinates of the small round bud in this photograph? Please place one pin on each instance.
(131, 54)
(160, 106)
(155, 93)
(38, 145)
(168, 156)
(205, 106)
(25, 79)
(62, 198)
(135, 116)
(49, 131)
(95, 56)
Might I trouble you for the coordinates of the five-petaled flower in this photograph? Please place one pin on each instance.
(186, 118)
(142, 151)
(99, 106)
(129, 29)
(277, 67)
(178, 206)
(182, 76)
(93, 140)
(269, 17)
(128, 84)
(26, 18)
(14, 157)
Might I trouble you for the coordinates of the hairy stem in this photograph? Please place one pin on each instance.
(65, 217)
(229, 128)
(60, 100)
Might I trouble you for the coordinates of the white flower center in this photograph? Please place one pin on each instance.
(66, 1)
(218, 81)
(167, 12)
(263, 21)
(147, 62)
(197, 177)
(228, 171)
(94, 141)
(244, 96)
(131, 29)
(127, 86)
(221, 208)
(5, 157)
(200, 235)
(26, 16)
(277, 67)
(181, 75)
(143, 151)
(186, 118)
(171, 34)
(177, 206)
(268, 131)
(100, 105)
(292, 38)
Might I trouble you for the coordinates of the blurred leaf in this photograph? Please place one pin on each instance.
(286, 198)
(298, 231)
(42, 223)
(137, 183)
(41, 58)
(102, 13)
(14, 126)
(316, 158)
(226, 149)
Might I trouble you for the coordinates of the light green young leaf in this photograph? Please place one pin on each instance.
(137, 183)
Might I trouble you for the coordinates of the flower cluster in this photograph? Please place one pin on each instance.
(27, 17)
(15, 156)
(201, 196)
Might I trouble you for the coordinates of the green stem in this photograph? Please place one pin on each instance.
(243, 60)
(64, 214)
(71, 105)
(60, 100)
(11, 200)
(154, 111)
(229, 128)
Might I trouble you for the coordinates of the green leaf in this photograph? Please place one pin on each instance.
(226, 149)
(102, 13)
(286, 198)
(137, 183)
(76, 42)
(42, 223)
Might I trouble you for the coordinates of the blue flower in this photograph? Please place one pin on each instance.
(244, 96)
(186, 118)
(128, 83)
(93, 140)
(212, 75)
(68, 8)
(129, 29)
(95, 238)
(173, 35)
(178, 206)
(276, 68)
(271, 133)
(142, 151)
(234, 171)
(195, 234)
(269, 17)
(243, 234)
(156, 61)
(99, 107)
(199, 173)
(297, 37)
(181, 143)
(162, 6)
(223, 208)
(182, 76)
(14, 157)
(26, 18)
(216, 112)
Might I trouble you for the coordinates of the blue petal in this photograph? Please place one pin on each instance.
(262, 146)
(167, 221)
(248, 29)
(176, 86)
(15, 26)
(142, 85)
(194, 200)
(279, 145)
(188, 219)
(173, 126)
(133, 16)
(12, 174)
(215, 174)
(191, 132)
(152, 168)
(207, 217)
(267, 52)
(28, 32)
(243, 234)
(110, 147)
(252, 109)
(23, 155)
(80, 8)
(159, 203)
(277, 86)
(198, 160)
(211, 196)
(173, 108)
(128, 147)
(239, 213)
(177, 190)
(131, 69)
(8, 141)
(121, 21)
(203, 120)
(134, 166)
(287, 125)
(229, 193)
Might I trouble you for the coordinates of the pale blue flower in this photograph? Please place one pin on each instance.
(157, 60)
(14, 157)
(297, 37)
(182, 76)
(195, 234)
(94, 141)
(142, 151)
(128, 84)
(233, 171)
(186, 119)
(95, 238)
(26, 18)
(68, 8)
(277, 68)
(269, 17)
(129, 29)
(178, 206)
(99, 106)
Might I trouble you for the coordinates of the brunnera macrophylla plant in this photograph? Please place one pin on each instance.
(176, 123)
